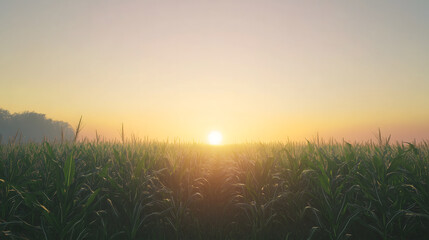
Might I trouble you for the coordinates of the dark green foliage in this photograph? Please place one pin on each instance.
(153, 190)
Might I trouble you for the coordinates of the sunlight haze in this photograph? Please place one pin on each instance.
(253, 70)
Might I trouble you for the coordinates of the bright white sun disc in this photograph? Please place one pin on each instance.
(215, 138)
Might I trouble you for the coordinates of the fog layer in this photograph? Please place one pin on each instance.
(32, 126)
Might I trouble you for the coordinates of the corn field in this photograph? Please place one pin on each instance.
(161, 190)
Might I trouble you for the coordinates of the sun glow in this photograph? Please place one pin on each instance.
(215, 138)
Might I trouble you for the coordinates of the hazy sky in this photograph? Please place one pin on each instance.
(254, 70)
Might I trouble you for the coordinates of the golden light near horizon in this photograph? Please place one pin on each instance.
(168, 69)
(215, 138)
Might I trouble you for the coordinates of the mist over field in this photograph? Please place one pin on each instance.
(213, 120)
(32, 126)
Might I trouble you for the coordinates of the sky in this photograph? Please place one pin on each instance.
(252, 70)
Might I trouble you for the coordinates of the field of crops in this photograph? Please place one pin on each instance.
(161, 190)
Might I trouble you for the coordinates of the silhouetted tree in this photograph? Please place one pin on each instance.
(32, 126)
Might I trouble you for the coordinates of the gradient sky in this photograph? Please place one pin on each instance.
(254, 70)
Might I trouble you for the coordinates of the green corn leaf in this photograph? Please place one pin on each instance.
(104, 171)
(50, 153)
(324, 182)
(69, 170)
(91, 198)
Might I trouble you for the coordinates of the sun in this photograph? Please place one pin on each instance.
(215, 138)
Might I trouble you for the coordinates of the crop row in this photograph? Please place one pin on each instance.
(161, 190)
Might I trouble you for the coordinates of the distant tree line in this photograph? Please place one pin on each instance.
(32, 126)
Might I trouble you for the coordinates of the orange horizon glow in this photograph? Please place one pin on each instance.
(255, 70)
